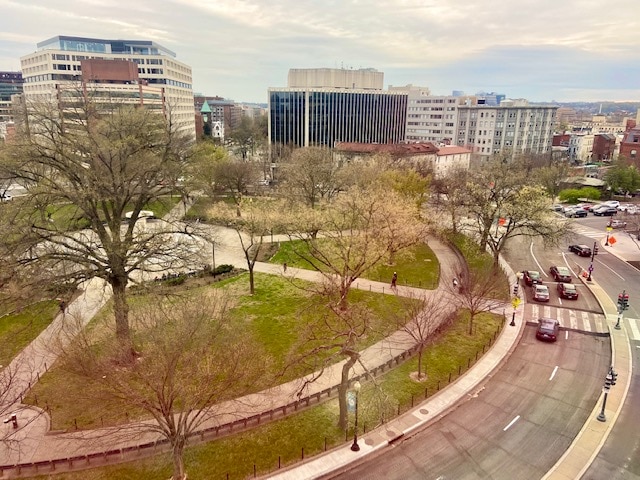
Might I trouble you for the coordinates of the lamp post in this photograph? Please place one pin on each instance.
(609, 228)
(355, 447)
(609, 381)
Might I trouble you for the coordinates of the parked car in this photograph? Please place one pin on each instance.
(560, 274)
(531, 277)
(617, 224)
(584, 206)
(581, 250)
(548, 329)
(557, 207)
(623, 207)
(575, 212)
(605, 211)
(568, 290)
(633, 210)
(541, 293)
(612, 203)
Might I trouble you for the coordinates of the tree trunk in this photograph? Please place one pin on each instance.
(121, 309)
(179, 472)
(342, 390)
(252, 288)
(471, 323)
(420, 362)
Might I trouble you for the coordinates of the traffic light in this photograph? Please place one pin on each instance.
(608, 381)
(595, 248)
(614, 376)
(623, 301)
(515, 289)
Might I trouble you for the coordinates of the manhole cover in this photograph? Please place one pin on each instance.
(424, 411)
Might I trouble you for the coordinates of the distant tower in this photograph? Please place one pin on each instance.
(205, 111)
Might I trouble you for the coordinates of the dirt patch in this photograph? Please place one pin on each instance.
(414, 376)
(267, 250)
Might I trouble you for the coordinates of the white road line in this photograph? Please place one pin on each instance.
(547, 311)
(586, 322)
(633, 325)
(536, 260)
(566, 334)
(511, 423)
(534, 311)
(573, 320)
(566, 262)
(611, 269)
(553, 374)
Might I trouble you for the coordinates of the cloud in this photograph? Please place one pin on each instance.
(239, 48)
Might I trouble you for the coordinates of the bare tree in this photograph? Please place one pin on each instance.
(360, 229)
(451, 195)
(312, 175)
(423, 318)
(330, 338)
(251, 220)
(482, 290)
(85, 167)
(192, 360)
(234, 178)
(201, 174)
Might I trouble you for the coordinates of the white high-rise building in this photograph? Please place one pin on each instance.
(57, 63)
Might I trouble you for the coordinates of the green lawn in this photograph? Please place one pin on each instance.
(273, 315)
(17, 330)
(311, 429)
(417, 266)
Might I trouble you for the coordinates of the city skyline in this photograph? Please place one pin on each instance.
(541, 51)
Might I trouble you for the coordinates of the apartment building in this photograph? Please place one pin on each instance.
(320, 107)
(57, 65)
(513, 126)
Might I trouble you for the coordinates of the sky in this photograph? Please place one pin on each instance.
(542, 50)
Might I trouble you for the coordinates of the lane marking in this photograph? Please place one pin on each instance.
(566, 336)
(611, 270)
(635, 334)
(573, 320)
(511, 423)
(553, 374)
(566, 262)
(536, 260)
(585, 321)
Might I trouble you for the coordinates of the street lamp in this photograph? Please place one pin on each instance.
(609, 228)
(609, 381)
(355, 447)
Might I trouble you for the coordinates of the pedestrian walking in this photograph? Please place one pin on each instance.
(284, 267)
(455, 282)
(63, 306)
(394, 280)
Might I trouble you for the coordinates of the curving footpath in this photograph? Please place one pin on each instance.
(41, 447)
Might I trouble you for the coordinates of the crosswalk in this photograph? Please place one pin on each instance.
(568, 318)
(589, 232)
(580, 320)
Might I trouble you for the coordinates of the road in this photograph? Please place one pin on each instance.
(519, 424)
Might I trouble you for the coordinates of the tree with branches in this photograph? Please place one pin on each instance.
(191, 361)
(312, 175)
(359, 229)
(88, 166)
(504, 203)
(422, 318)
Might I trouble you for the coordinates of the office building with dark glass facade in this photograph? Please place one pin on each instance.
(322, 116)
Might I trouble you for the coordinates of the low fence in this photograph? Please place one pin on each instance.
(80, 462)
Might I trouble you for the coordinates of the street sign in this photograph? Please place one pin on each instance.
(612, 240)
(515, 302)
(591, 268)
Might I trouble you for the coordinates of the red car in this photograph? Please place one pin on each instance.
(568, 290)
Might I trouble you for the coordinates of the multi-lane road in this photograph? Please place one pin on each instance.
(528, 413)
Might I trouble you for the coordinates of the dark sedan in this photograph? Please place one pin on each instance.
(568, 290)
(548, 329)
(605, 211)
(560, 274)
(531, 277)
(582, 250)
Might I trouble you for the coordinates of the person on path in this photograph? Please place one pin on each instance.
(455, 282)
(394, 280)
(284, 267)
(63, 306)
